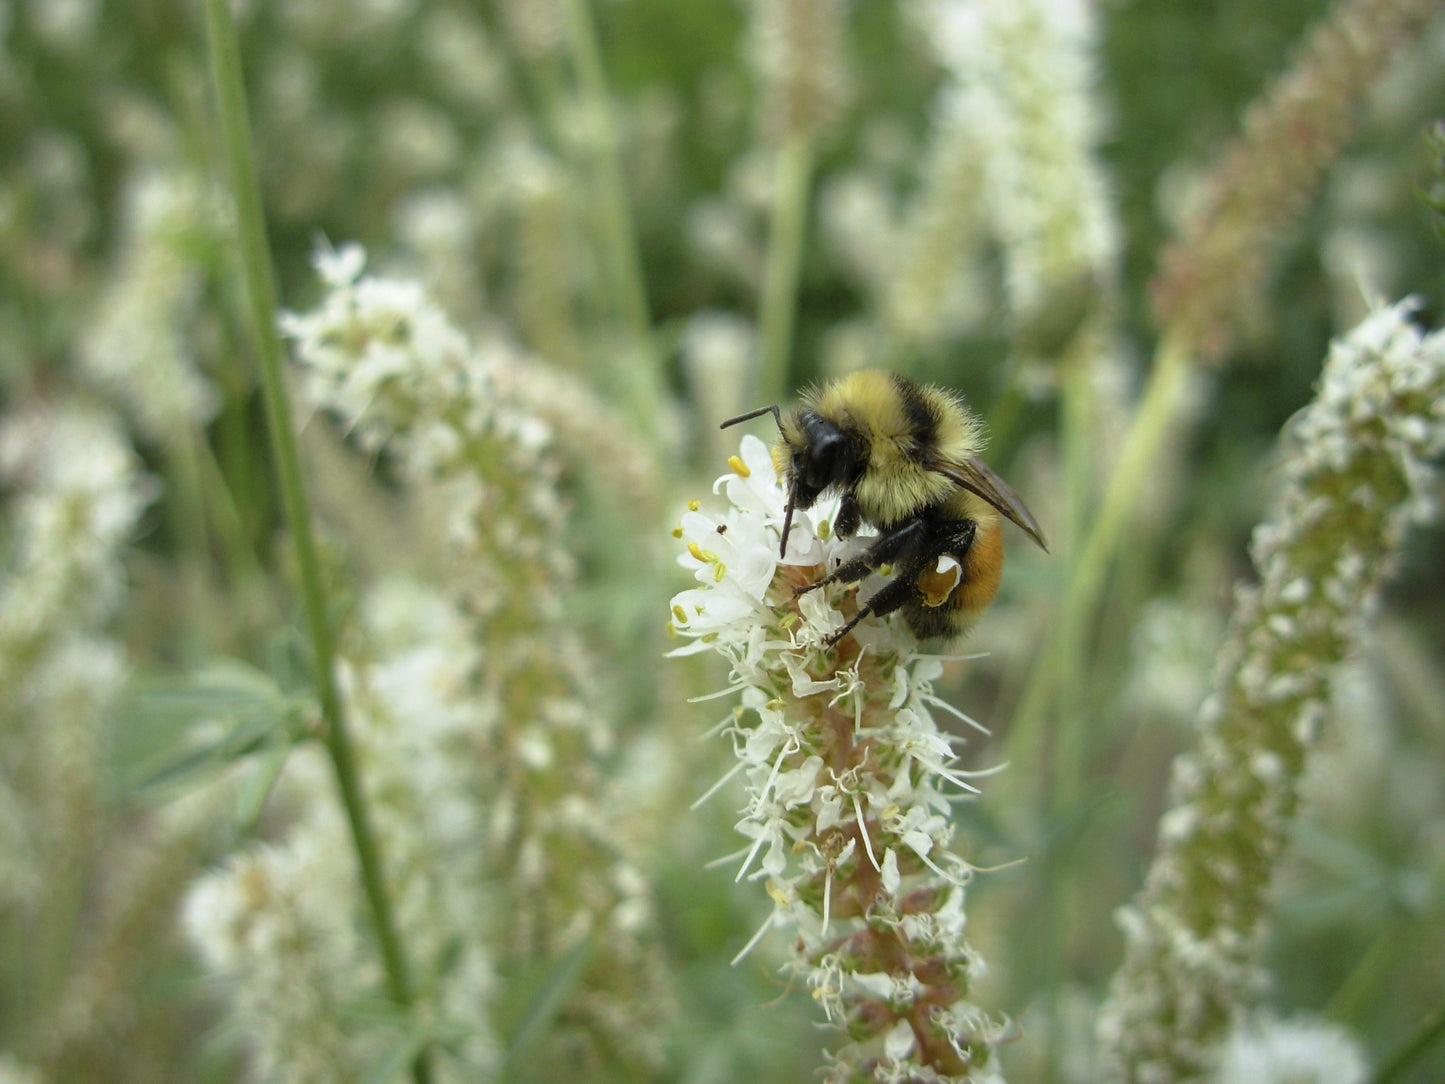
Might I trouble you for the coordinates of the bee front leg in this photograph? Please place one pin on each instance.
(884, 549)
(845, 524)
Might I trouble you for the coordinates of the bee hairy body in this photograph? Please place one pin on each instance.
(904, 457)
(891, 424)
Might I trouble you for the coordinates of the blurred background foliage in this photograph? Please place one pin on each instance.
(453, 141)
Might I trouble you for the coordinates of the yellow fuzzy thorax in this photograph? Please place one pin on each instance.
(895, 485)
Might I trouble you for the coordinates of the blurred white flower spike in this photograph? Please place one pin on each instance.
(849, 782)
(1357, 469)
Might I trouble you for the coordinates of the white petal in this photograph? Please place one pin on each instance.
(898, 1043)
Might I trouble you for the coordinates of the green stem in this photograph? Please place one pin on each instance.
(1428, 1033)
(643, 383)
(1362, 986)
(1361, 989)
(1003, 415)
(186, 495)
(225, 60)
(621, 255)
(242, 567)
(791, 183)
(1070, 743)
(1151, 425)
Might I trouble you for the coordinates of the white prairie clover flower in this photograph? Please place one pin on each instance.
(256, 923)
(78, 494)
(13, 1071)
(1022, 89)
(799, 50)
(934, 288)
(1356, 472)
(138, 341)
(1265, 178)
(284, 916)
(536, 29)
(461, 422)
(1302, 1051)
(849, 782)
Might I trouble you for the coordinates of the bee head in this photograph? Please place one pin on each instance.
(822, 456)
(814, 453)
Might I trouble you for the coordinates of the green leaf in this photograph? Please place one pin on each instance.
(170, 731)
(551, 996)
(257, 788)
(372, 1012)
(397, 1062)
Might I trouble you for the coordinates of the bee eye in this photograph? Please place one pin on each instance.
(824, 464)
(823, 460)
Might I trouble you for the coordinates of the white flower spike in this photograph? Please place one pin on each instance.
(848, 782)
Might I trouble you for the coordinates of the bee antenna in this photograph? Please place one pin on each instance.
(777, 416)
(792, 499)
(787, 526)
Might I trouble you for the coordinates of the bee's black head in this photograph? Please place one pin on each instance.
(826, 456)
(823, 454)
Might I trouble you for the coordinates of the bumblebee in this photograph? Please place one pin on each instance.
(904, 457)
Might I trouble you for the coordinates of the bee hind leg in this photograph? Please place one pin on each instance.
(891, 596)
(915, 550)
(885, 549)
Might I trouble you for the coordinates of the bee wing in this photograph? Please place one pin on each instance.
(976, 477)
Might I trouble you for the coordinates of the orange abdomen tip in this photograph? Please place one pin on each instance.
(983, 570)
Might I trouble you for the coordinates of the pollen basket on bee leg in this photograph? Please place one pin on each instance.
(937, 583)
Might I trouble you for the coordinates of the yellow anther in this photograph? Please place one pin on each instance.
(738, 466)
(679, 613)
(696, 551)
(677, 532)
(719, 572)
(693, 505)
(671, 631)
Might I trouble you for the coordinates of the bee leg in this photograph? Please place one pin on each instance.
(885, 549)
(845, 524)
(891, 596)
(956, 543)
(916, 552)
